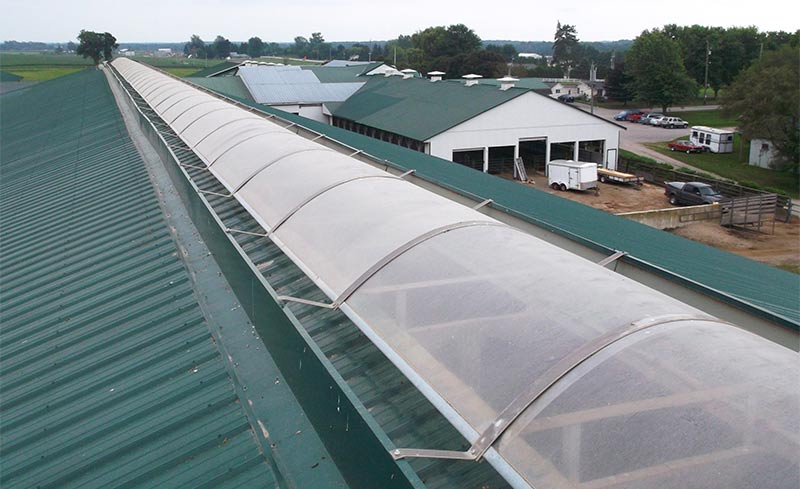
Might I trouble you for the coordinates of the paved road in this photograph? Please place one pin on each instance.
(636, 135)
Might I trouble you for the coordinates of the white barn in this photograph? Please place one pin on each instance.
(482, 126)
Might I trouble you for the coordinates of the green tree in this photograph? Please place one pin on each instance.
(195, 48)
(255, 47)
(565, 47)
(767, 96)
(222, 47)
(655, 65)
(96, 45)
(507, 51)
(317, 48)
(300, 47)
(437, 43)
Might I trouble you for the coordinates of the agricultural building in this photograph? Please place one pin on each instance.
(204, 292)
(479, 125)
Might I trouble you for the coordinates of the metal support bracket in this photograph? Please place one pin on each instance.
(239, 231)
(209, 192)
(401, 453)
(482, 204)
(405, 174)
(611, 259)
(288, 298)
(184, 165)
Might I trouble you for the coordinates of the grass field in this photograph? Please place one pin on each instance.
(735, 167)
(42, 67)
(180, 71)
(711, 118)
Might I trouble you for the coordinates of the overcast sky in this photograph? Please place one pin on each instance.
(357, 20)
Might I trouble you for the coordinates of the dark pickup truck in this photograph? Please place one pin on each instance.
(691, 193)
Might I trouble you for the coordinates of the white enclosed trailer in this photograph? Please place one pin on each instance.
(570, 174)
(714, 140)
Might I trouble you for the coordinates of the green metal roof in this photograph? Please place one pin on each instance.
(340, 74)
(110, 374)
(232, 86)
(749, 281)
(418, 108)
(5, 76)
(530, 83)
(217, 68)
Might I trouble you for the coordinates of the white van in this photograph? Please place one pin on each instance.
(714, 140)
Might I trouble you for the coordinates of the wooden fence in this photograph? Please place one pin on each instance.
(658, 175)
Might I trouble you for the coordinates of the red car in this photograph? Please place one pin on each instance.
(635, 117)
(687, 146)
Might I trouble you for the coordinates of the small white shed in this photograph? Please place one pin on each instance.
(715, 140)
(762, 153)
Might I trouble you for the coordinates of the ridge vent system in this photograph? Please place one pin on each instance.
(512, 339)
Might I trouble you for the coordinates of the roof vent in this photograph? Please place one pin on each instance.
(472, 79)
(408, 73)
(436, 75)
(507, 82)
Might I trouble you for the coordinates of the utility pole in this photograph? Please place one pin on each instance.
(705, 84)
(592, 80)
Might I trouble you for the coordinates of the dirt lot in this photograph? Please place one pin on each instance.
(781, 249)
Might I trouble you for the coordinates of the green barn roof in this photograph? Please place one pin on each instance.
(418, 108)
(216, 69)
(340, 74)
(232, 86)
(112, 372)
(5, 76)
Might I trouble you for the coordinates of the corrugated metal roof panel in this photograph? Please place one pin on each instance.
(277, 85)
(109, 374)
(418, 108)
(228, 85)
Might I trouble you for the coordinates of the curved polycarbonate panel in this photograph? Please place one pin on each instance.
(209, 123)
(222, 136)
(159, 84)
(671, 407)
(136, 76)
(142, 84)
(483, 312)
(156, 98)
(190, 116)
(279, 189)
(343, 232)
(168, 102)
(264, 135)
(162, 87)
(246, 159)
(193, 103)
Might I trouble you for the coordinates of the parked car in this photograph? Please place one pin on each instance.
(648, 118)
(686, 146)
(635, 117)
(671, 122)
(691, 193)
(565, 97)
(625, 115)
